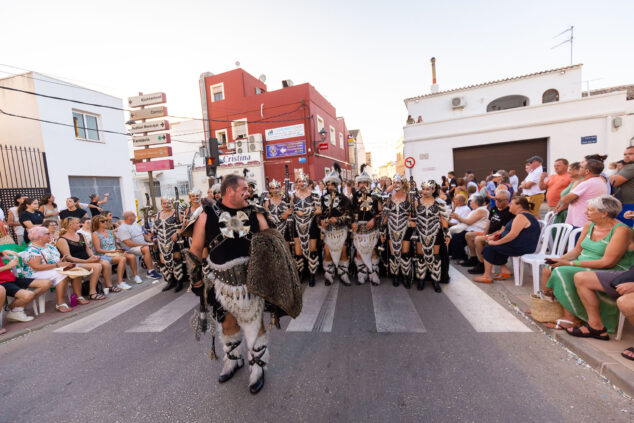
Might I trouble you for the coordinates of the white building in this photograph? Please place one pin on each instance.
(85, 146)
(357, 151)
(499, 124)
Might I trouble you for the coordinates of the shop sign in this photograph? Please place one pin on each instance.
(284, 132)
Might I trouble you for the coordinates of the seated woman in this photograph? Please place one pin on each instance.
(103, 242)
(85, 224)
(74, 249)
(520, 236)
(53, 230)
(476, 221)
(41, 258)
(603, 244)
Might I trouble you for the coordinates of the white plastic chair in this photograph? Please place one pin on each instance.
(572, 238)
(619, 330)
(549, 218)
(554, 240)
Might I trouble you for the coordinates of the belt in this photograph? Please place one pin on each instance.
(235, 276)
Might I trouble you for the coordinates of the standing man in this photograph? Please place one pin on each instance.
(365, 231)
(530, 186)
(514, 180)
(623, 181)
(556, 183)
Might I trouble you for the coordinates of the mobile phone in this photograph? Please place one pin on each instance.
(549, 261)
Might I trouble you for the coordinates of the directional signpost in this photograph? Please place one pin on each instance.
(141, 126)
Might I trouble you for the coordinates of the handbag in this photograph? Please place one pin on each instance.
(5, 238)
(545, 310)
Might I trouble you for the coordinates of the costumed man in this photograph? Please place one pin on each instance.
(306, 206)
(167, 228)
(365, 232)
(397, 229)
(252, 183)
(335, 221)
(279, 209)
(249, 266)
(432, 231)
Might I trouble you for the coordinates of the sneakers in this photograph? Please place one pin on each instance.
(18, 316)
(125, 286)
(138, 279)
(154, 274)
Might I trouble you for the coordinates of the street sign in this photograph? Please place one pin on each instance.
(284, 149)
(152, 153)
(592, 139)
(156, 165)
(323, 146)
(148, 113)
(409, 162)
(151, 139)
(152, 126)
(147, 99)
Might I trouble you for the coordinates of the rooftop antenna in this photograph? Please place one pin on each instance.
(237, 63)
(434, 85)
(569, 40)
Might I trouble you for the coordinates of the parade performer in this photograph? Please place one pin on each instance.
(195, 197)
(432, 231)
(335, 221)
(397, 230)
(365, 230)
(279, 209)
(167, 228)
(252, 183)
(250, 267)
(306, 206)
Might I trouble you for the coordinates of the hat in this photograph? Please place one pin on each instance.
(363, 176)
(534, 159)
(496, 174)
(334, 176)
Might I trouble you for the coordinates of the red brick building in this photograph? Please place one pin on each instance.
(265, 130)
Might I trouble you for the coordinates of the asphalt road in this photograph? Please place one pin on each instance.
(358, 354)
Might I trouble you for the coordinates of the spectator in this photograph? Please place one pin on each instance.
(562, 211)
(603, 244)
(110, 225)
(13, 218)
(30, 216)
(625, 303)
(604, 176)
(84, 229)
(477, 220)
(492, 184)
(461, 208)
(94, 204)
(620, 165)
(483, 189)
(530, 186)
(104, 243)
(499, 217)
(445, 183)
(74, 249)
(52, 228)
(41, 258)
(520, 236)
(420, 119)
(555, 183)
(624, 182)
(134, 241)
(612, 170)
(48, 208)
(504, 182)
(73, 209)
(18, 288)
(471, 180)
(514, 180)
(591, 187)
(451, 185)
(410, 120)
(3, 298)
(460, 188)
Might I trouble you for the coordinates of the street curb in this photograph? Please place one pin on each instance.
(65, 316)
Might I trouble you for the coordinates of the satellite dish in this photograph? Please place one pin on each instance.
(237, 63)
(262, 78)
(290, 83)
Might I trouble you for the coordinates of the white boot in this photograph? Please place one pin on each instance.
(329, 272)
(362, 271)
(233, 361)
(374, 274)
(258, 359)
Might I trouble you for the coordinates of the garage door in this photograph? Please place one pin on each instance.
(83, 186)
(483, 159)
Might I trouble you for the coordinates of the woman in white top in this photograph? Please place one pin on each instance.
(48, 208)
(476, 221)
(13, 219)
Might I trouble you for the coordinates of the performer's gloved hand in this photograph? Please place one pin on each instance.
(198, 290)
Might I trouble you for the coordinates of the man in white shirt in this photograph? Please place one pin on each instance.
(514, 180)
(461, 210)
(530, 185)
(134, 241)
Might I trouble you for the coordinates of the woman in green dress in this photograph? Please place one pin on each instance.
(603, 244)
(573, 172)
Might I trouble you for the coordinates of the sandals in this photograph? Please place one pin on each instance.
(115, 289)
(97, 296)
(558, 325)
(82, 301)
(502, 276)
(63, 308)
(483, 279)
(3, 331)
(629, 357)
(592, 333)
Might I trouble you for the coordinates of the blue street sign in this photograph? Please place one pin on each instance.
(592, 139)
(302, 159)
(284, 149)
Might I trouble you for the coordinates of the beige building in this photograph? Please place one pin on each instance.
(388, 169)
(400, 157)
(356, 150)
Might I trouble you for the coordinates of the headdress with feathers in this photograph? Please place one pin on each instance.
(334, 176)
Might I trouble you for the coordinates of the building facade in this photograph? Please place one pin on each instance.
(357, 151)
(499, 124)
(263, 131)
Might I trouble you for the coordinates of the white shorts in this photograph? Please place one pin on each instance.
(50, 275)
(136, 251)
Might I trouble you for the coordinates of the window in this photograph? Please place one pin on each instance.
(326, 171)
(340, 140)
(217, 92)
(507, 102)
(239, 129)
(320, 123)
(259, 90)
(157, 188)
(183, 187)
(221, 135)
(550, 96)
(86, 126)
(333, 136)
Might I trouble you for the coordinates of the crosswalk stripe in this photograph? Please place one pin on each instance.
(394, 310)
(318, 310)
(482, 311)
(102, 316)
(166, 315)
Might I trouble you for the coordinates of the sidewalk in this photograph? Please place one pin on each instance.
(51, 316)
(603, 356)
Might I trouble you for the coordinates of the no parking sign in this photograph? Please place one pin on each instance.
(409, 162)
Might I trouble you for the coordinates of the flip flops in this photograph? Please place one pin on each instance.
(482, 279)
(558, 324)
(629, 357)
(502, 276)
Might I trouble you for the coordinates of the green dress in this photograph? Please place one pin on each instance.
(563, 284)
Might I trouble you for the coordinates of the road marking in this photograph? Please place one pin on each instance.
(102, 316)
(166, 315)
(394, 310)
(482, 311)
(318, 309)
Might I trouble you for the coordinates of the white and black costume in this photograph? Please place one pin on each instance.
(276, 211)
(173, 269)
(365, 210)
(305, 228)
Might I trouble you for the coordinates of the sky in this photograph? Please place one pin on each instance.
(365, 57)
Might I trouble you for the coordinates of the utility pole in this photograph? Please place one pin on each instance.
(569, 40)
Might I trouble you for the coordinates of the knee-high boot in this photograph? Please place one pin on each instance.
(313, 265)
(233, 361)
(342, 271)
(405, 263)
(362, 271)
(420, 270)
(258, 358)
(374, 273)
(299, 261)
(394, 270)
(329, 272)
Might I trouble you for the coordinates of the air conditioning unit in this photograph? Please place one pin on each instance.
(255, 143)
(241, 146)
(458, 103)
